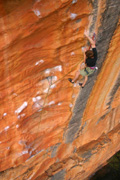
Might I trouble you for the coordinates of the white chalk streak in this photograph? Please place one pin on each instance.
(47, 71)
(58, 68)
(18, 116)
(70, 105)
(36, 98)
(74, 1)
(83, 49)
(72, 53)
(46, 90)
(37, 12)
(6, 128)
(54, 78)
(23, 152)
(5, 114)
(52, 102)
(17, 126)
(59, 103)
(52, 86)
(37, 105)
(39, 62)
(20, 109)
(73, 16)
(22, 115)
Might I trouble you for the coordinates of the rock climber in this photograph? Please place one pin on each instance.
(88, 66)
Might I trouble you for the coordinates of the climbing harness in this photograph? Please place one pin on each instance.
(86, 71)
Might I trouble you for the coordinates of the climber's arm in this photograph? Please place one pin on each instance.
(92, 42)
(84, 57)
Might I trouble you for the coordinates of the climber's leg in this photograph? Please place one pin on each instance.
(76, 76)
(85, 80)
(82, 66)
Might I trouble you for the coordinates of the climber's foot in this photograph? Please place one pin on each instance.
(80, 84)
(70, 80)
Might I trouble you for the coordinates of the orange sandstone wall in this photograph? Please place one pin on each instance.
(49, 128)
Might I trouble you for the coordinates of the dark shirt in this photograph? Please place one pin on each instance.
(90, 62)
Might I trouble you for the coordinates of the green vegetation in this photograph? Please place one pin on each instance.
(111, 171)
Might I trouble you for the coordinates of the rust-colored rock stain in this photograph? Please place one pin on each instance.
(45, 134)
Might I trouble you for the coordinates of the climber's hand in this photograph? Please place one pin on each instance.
(86, 33)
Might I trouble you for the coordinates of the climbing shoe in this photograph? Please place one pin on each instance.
(70, 80)
(80, 84)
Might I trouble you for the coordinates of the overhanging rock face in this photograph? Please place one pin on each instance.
(51, 129)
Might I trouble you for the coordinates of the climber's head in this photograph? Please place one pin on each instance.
(89, 54)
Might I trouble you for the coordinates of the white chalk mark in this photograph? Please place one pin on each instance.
(18, 116)
(58, 68)
(37, 105)
(37, 12)
(21, 142)
(5, 114)
(36, 98)
(70, 105)
(46, 90)
(52, 102)
(72, 53)
(6, 128)
(73, 16)
(23, 152)
(47, 71)
(38, 92)
(83, 49)
(52, 86)
(54, 78)
(74, 1)
(36, 63)
(39, 62)
(39, 110)
(38, 102)
(17, 126)
(22, 115)
(20, 109)
(59, 103)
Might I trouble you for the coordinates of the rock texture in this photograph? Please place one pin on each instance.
(50, 129)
